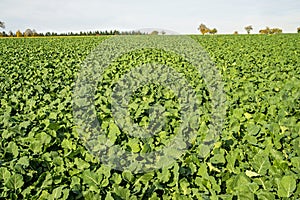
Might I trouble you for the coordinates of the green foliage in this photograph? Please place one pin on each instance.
(286, 186)
(257, 156)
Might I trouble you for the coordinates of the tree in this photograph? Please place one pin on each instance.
(28, 33)
(163, 32)
(235, 33)
(19, 34)
(154, 33)
(203, 29)
(10, 34)
(276, 30)
(269, 30)
(249, 29)
(2, 25)
(298, 29)
(34, 33)
(263, 31)
(213, 31)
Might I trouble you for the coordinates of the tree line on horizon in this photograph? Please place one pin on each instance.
(33, 33)
(202, 28)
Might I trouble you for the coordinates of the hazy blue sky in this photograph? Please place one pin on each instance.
(182, 16)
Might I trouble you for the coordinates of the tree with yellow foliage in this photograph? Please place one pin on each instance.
(213, 31)
(269, 30)
(19, 33)
(203, 29)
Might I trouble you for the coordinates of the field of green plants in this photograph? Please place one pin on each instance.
(257, 155)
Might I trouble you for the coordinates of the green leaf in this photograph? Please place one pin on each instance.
(286, 186)
(4, 174)
(15, 182)
(164, 176)
(7, 134)
(134, 145)
(91, 178)
(113, 132)
(261, 163)
(68, 144)
(253, 129)
(36, 146)
(24, 161)
(116, 178)
(251, 174)
(104, 170)
(109, 196)
(89, 195)
(81, 164)
(124, 193)
(75, 183)
(47, 181)
(146, 177)
(185, 186)
(57, 192)
(218, 158)
(13, 148)
(43, 138)
(53, 115)
(127, 175)
(65, 194)
(264, 195)
(45, 195)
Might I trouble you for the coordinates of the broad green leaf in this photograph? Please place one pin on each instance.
(116, 178)
(57, 192)
(91, 178)
(127, 175)
(81, 164)
(23, 161)
(253, 129)
(4, 174)
(47, 181)
(36, 146)
(68, 144)
(134, 145)
(13, 148)
(43, 138)
(164, 176)
(45, 195)
(286, 186)
(113, 132)
(123, 193)
(264, 195)
(15, 182)
(146, 177)
(89, 195)
(261, 163)
(185, 186)
(109, 196)
(53, 115)
(218, 158)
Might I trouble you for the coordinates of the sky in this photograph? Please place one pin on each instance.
(180, 16)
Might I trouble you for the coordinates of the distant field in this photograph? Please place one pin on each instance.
(256, 157)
